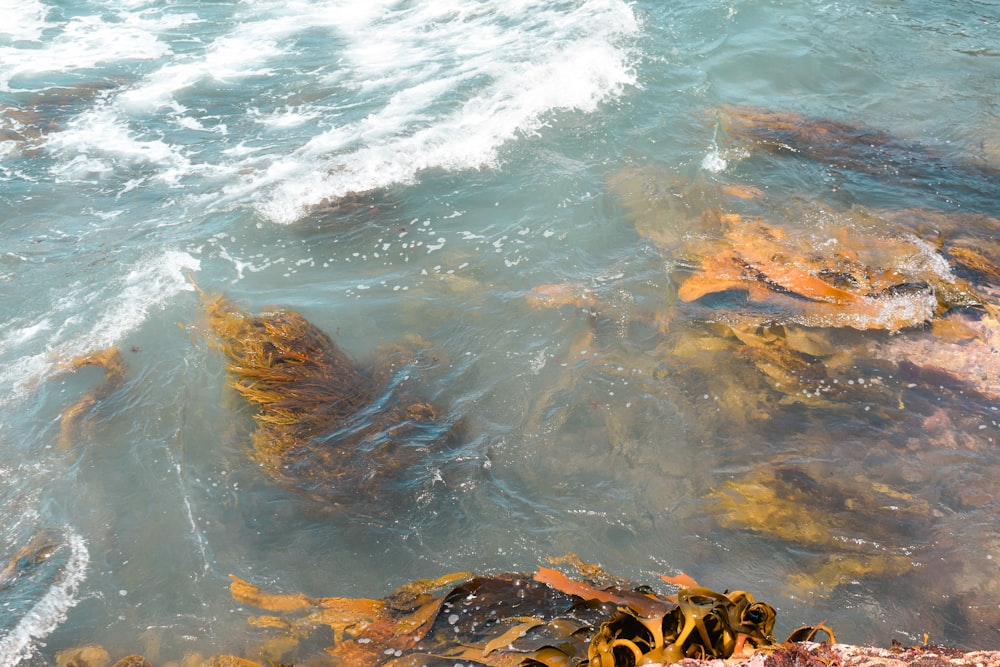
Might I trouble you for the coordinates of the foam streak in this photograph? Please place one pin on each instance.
(51, 610)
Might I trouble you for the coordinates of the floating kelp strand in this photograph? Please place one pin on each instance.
(75, 418)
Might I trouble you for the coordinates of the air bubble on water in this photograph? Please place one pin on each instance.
(714, 162)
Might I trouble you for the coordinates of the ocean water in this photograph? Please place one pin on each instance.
(405, 171)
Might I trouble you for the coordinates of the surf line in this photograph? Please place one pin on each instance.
(49, 612)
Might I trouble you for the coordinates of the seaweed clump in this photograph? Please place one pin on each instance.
(324, 424)
(543, 620)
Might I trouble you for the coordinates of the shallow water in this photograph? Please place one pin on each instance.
(145, 144)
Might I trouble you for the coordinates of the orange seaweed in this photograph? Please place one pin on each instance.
(247, 593)
(558, 294)
(848, 285)
(682, 580)
(507, 620)
(645, 605)
(74, 418)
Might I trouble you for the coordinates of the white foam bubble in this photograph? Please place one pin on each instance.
(150, 283)
(714, 162)
(17, 335)
(50, 611)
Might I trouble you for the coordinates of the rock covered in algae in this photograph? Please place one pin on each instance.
(27, 558)
(97, 656)
(804, 264)
(84, 656)
(779, 286)
(788, 654)
(325, 424)
(547, 619)
(847, 655)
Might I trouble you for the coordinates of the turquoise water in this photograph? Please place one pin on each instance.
(146, 143)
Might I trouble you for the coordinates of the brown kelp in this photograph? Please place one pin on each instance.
(547, 619)
(76, 418)
(856, 148)
(325, 424)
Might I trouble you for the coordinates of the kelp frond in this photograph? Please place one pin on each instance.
(74, 418)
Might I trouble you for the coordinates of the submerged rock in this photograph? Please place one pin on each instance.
(858, 149)
(816, 348)
(27, 557)
(26, 125)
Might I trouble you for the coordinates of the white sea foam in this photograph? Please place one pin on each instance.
(465, 78)
(121, 309)
(46, 615)
(439, 85)
(98, 140)
(22, 19)
(228, 59)
(84, 42)
(714, 162)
